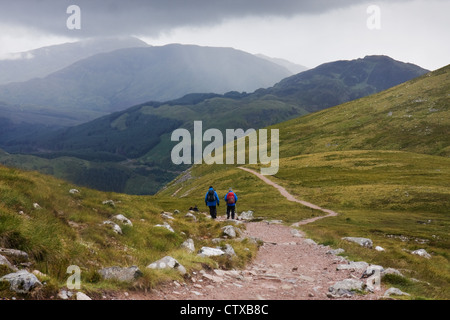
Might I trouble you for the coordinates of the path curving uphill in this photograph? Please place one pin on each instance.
(290, 197)
(287, 267)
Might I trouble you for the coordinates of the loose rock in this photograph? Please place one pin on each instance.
(123, 219)
(21, 281)
(422, 253)
(246, 215)
(345, 288)
(230, 231)
(354, 266)
(82, 296)
(5, 262)
(115, 226)
(167, 263)
(121, 274)
(18, 255)
(210, 252)
(364, 242)
(188, 245)
(394, 291)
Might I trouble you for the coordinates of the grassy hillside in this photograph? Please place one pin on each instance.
(413, 116)
(68, 229)
(135, 146)
(381, 162)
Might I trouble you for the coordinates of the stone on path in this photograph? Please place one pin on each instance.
(345, 288)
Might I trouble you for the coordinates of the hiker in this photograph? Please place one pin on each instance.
(211, 200)
(231, 199)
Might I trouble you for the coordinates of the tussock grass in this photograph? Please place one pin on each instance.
(68, 229)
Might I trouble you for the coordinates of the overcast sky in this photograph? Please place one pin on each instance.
(305, 32)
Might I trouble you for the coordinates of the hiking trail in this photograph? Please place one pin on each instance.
(286, 267)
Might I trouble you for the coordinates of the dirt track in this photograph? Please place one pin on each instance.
(287, 267)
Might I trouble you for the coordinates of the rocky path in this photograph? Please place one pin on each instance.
(287, 267)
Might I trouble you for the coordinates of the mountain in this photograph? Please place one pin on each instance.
(39, 63)
(333, 83)
(113, 81)
(394, 191)
(381, 162)
(292, 67)
(135, 144)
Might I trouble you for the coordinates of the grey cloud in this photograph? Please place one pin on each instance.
(121, 17)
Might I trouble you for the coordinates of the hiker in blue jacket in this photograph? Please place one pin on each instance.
(211, 200)
(231, 199)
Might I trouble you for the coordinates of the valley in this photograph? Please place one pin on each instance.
(362, 154)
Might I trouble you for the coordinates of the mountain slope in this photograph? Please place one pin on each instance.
(113, 81)
(138, 139)
(333, 83)
(39, 63)
(381, 162)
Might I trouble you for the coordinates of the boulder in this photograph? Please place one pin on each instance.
(422, 253)
(167, 263)
(110, 203)
(228, 249)
(188, 245)
(167, 215)
(371, 270)
(210, 252)
(190, 216)
(165, 225)
(229, 231)
(5, 262)
(364, 242)
(17, 255)
(121, 274)
(115, 226)
(345, 288)
(82, 296)
(123, 219)
(246, 215)
(21, 281)
(335, 251)
(394, 291)
(392, 271)
(353, 266)
(64, 294)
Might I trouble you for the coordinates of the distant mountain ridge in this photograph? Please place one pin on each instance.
(39, 63)
(135, 143)
(333, 83)
(116, 80)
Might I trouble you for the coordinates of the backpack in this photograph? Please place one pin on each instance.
(210, 197)
(230, 198)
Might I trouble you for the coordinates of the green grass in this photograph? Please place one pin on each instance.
(381, 162)
(68, 230)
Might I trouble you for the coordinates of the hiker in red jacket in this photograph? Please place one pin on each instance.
(231, 199)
